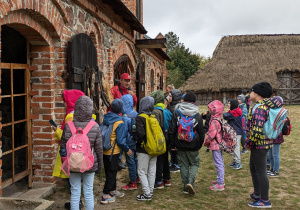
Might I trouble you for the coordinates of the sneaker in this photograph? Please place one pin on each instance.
(244, 151)
(107, 199)
(215, 182)
(217, 187)
(68, 205)
(190, 189)
(117, 194)
(274, 174)
(237, 166)
(174, 169)
(130, 186)
(159, 185)
(269, 172)
(167, 183)
(254, 197)
(232, 164)
(121, 166)
(260, 204)
(185, 190)
(144, 197)
(138, 180)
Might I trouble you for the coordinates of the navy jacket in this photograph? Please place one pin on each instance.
(234, 119)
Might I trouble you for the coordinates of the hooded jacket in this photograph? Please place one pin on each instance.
(255, 139)
(146, 106)
(128, 115)
(187, 109)
(234, 118)
(120, 133)
(115, 91)
(176, 97)
(82, 116)
(214, 133)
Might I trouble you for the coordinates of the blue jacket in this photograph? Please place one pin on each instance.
(121, 133)
(234, 119)
(128, 115)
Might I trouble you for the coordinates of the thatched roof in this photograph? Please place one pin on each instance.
(239, 62)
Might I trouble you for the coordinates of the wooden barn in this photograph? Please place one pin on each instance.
(239, 62)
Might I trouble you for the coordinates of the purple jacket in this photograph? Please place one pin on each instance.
(278, 140)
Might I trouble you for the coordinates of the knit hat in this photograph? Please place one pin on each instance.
(264, 89)
(117, 106)
(241, 98)
(182, 97)
(244, 91)
(233, 104)
(190, 97)
(158, 96)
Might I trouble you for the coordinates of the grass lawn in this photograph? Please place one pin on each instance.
(284, 190)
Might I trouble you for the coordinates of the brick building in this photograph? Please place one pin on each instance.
(44, 46)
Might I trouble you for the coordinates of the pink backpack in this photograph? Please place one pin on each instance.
(80, 157)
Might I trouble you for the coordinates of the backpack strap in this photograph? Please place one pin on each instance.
(88, 127)
(72, 127)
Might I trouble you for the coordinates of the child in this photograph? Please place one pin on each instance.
(273, 156)
(206, 117)
(258, 143)
(162, 164)
(146, 163)
(129, 116)
(213, 136)
(233, 117)
(175, 100)
(188, 151)
(69, 97)
(82, 116)
(243, 107)
(111, 157)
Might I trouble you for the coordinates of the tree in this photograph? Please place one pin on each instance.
(184, 63)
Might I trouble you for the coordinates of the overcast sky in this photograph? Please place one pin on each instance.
(200, 24)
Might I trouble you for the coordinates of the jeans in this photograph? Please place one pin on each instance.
(146, 171)
(88, 181)
(274, 158)
(258, 169)
(219, 163)
(237, 152)
(189, 162)
(132, 165)
(111, 169)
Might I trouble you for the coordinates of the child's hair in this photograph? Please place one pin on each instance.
(171, 86)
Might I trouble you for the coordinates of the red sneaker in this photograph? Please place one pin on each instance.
(167, 183)
(138, 180)
(130, 186)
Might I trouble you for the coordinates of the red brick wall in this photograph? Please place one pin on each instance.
(131, 5)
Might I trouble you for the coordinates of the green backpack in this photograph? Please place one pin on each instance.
(156, 142)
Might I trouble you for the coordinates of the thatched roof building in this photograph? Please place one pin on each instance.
(239, 62)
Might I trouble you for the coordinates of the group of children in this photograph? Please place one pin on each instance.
(129, 134)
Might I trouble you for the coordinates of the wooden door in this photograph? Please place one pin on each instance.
(289, 87)
(16, 123)
(140, 82)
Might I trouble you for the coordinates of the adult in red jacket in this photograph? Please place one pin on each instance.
(123, 88)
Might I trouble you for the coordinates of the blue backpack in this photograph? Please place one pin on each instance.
(132, 128)
(276, 119)
(106, 132)
(167, 117)
(185, 128)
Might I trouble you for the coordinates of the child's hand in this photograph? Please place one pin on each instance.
(129, 153)
(54, 128)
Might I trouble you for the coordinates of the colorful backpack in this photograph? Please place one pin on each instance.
(287, 127)
(229, 139)
(80, 157)
(167, 117)
(185, 128)
(276, 119)
(156, 142)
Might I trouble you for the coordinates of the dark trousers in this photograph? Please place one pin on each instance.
(162, 167)
(111, 169)
(258, 169)
(174, 159)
